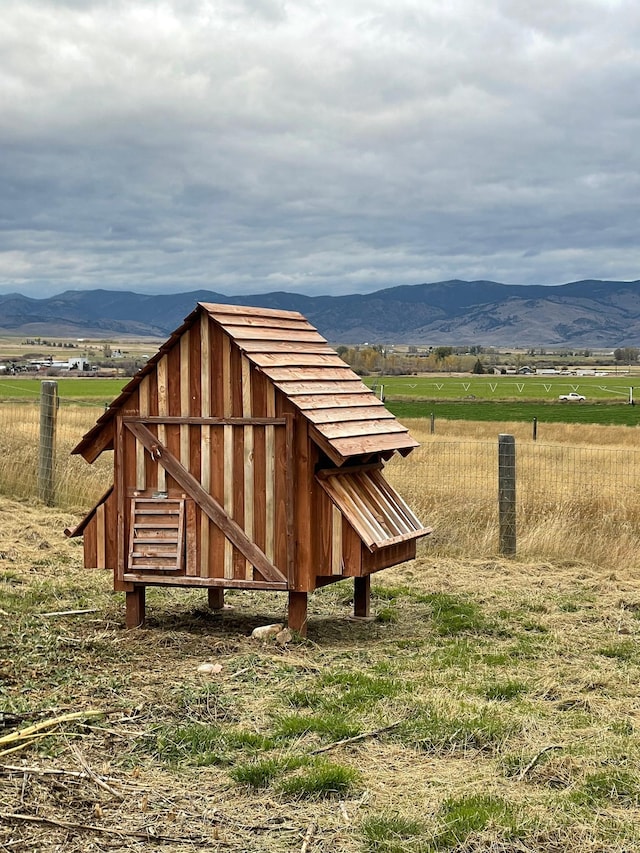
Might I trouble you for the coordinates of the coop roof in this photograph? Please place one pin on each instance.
(346, 419)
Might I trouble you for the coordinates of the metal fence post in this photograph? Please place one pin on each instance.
(507, 493)
(47, 452)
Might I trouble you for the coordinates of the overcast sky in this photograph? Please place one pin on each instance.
(317, 146)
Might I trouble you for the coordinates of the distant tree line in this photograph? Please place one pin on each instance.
(371, 359)
(367, 359)
(626, 354)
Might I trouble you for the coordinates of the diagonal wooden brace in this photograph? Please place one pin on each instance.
(218, 515)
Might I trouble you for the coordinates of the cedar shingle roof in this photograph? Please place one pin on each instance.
(346, 419)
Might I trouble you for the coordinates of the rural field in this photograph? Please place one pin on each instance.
(70, 389)
(450, 397)
(512, 398)
(491, 704)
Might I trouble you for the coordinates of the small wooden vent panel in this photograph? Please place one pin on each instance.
(156, 542)
(374, 509)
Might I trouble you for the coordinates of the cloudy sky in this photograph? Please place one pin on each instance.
(317, 146)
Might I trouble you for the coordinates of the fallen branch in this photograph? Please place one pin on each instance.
(99, 781)
(24, 744)
(103, 830)
(7, 719)
(70, 612)
(536, 758)
(311, 831)
(125, 735)
(355, 738)
(24, 737)
(44, 771)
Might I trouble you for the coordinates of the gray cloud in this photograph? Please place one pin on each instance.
(252, 145)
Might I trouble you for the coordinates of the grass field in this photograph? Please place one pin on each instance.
(611, 388)
(481, 398)
(491, 706)
(511, 399)
(505, 411)
(75, 389)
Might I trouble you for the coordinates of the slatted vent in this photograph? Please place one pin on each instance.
(373, 508)
(157, 535)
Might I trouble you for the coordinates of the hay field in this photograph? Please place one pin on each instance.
(578, 486)
(78, 485)
(491, 705)
(578, 490)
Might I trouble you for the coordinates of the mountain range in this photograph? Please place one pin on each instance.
(590, 313)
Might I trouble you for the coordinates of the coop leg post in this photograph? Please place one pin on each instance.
(298, 612)
(216, 597)
(135, 607)
(362, 597)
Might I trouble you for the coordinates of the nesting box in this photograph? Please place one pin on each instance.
(247, 455)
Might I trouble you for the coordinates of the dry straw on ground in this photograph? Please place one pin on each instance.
(497, 702)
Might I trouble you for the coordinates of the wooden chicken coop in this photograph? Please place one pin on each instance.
(247, 455)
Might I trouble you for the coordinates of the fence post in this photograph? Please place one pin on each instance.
(47, 451)
(433, 423)
(507, 493)
(535, 429)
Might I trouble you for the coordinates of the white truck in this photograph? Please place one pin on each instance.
(572, 397)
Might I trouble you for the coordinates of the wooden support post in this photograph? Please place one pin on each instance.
(298, 612)
(216, 597)
(507, 494)
(135, 607)
(47, 453)
(362, 597)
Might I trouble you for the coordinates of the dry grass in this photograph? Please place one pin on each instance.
(77, 484)
(576, 435)
(577, 491)
(483, 664)
(578, 486)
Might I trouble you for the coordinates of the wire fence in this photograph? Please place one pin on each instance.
(546, 474)
(76, 484)
(572, 502)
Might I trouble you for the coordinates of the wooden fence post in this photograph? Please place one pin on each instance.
(47, 451)
(433, 423)
(507, 493)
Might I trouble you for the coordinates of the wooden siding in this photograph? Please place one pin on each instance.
(98, 529)
(238, 534)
